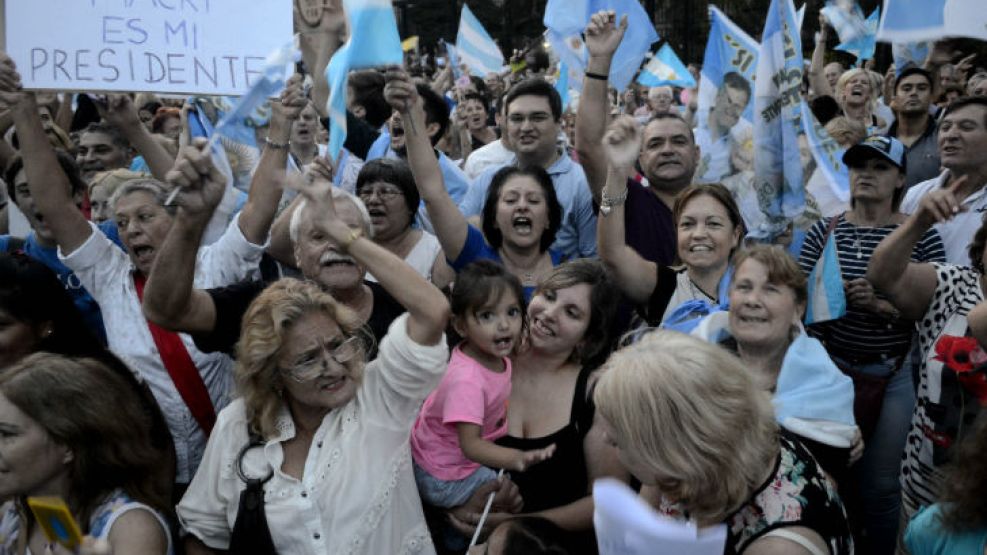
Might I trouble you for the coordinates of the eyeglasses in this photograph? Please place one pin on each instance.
(384, 193)
(312, 364)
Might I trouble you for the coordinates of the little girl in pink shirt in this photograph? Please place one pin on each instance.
(452, 441)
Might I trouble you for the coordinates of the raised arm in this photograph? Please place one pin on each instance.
(635, 276)
(427, 307)
(318, 44)
(449, 224)
(122, 114)
(49, 185)
(266, 186)
(170, 299)
(603, 36)
(910, 285)
(817, 77)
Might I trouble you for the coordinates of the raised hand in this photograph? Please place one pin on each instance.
(942, 204)
(119, 111)
(200, 184)
(603, 34)
(292, 101)
(11, 90)
(399, 90)
(622, 143)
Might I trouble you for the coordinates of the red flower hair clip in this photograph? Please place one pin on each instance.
(965, 357)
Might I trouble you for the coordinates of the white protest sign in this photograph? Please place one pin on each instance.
(213, 47)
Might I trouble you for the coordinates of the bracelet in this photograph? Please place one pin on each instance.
(272, 144)
(355, 234)
(597, 76)
(607, 202)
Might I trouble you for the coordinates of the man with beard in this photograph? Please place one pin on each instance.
(667, 159)
(533, 111)
(914, 126)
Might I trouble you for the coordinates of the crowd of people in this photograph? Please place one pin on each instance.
(488, 301)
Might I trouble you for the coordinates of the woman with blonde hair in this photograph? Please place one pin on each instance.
(688, 421)
(856, 94)
(315, 456)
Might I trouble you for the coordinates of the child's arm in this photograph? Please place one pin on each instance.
(492, 455)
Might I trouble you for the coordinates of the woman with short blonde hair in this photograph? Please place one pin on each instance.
(857, 97)
(690, 424)
(265, 326)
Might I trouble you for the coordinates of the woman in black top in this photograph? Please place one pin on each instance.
(570, 317)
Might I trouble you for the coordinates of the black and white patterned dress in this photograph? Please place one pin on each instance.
(945, 410)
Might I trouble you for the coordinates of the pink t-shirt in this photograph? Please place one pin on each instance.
(469, 393)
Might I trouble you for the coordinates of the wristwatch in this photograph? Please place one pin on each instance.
(607, 202)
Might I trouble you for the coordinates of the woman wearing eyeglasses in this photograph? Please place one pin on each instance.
(315, 456)
(387, 188)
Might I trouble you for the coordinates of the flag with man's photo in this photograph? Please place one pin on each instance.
(778, 124)
(728, 49)
(665, 68)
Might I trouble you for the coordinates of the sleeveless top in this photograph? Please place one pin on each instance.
(561, 479)
(798, 493)
(421, 257)
(116, 504)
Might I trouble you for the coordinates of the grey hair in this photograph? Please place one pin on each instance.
(295, 224)
(153, 187)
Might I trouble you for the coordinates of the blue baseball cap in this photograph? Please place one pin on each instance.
(888, 148)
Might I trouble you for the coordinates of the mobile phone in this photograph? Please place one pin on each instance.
(56, 521)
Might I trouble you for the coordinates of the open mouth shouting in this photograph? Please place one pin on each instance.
(522, 225)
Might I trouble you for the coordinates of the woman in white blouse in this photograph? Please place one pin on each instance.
(328, 433)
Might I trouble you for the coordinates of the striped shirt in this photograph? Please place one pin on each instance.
(861, 334)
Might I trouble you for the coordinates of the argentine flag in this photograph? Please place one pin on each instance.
(909, 53)
(476, 49)
(827, 301)
(778, 123)
(728, 49)
(374, 41)
(567, 19)
(863, 46)
(919, 20)
(846, 17)
(665, 68)
(827, 153)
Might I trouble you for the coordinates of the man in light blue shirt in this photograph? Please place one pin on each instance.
(534, 112)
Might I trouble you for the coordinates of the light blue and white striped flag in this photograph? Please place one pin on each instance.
(665, 68)
(374, 41)
(827, 300)
(562, 84)
(863, 46)
(846, 17)
(476, 48)
(728, 49)
(277, 67)
(567, 19)
(778, 123)
(827, 153)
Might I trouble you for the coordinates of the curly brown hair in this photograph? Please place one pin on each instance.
(964, 490)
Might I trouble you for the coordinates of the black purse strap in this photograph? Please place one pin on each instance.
(251, 533)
